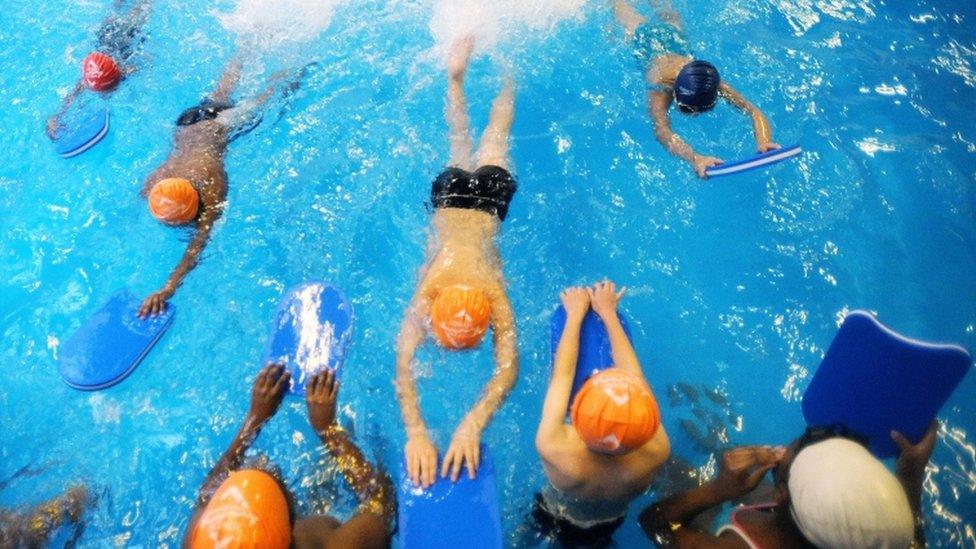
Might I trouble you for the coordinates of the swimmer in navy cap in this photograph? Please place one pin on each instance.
(677, 77)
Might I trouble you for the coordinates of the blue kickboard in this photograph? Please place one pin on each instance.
(873, 380)
(311, 330)
(111, 344)
(761, 160)
(83, 126)
(451, 514)
(594, 347)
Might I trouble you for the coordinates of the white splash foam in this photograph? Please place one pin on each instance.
(494, 22)
(274, 24)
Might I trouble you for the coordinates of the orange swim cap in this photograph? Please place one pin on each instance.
(174, 201)
(460, 316)
(614, 412)
(248, 511)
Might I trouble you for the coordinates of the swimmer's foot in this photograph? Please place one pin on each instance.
(266, 394)
(457, 59)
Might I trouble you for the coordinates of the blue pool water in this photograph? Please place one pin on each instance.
(736, 285)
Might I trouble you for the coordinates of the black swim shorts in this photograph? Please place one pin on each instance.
(569, 534)
(489, 189)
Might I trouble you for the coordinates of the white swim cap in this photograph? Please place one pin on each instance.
(843, 497)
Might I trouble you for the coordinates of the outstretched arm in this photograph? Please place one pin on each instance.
(659, 104)
(604, 298)
(910, 469)
(54, 122)
(156, 303)
(761, 127)
(465, 444)
(741, 471)
(420, 451)
(266, 394)
(628, 17)
(576, 302)
(373, 488)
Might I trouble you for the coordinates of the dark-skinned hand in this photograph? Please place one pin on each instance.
(268, 390)
(155, 303)
(321, 394)
(744, 468)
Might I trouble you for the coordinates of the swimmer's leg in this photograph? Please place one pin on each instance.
(628, 17)
(493, 149)
(457, 105)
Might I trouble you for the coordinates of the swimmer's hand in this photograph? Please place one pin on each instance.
(321, 394)
(267, 392)
(913, 458)
(702, 163)
(743, 469)
(53, 125)
(421, 460)
(155, 303)
(604, 298)
(576, 301)
(770, 146)
(465, 449)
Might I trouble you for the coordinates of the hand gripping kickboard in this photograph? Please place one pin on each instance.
(873, 380)
(451, 515)
(111, 344)
(594, 345)
(761, 160)
(311, 330)
(83, 126)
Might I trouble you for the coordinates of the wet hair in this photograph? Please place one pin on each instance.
(696, 87)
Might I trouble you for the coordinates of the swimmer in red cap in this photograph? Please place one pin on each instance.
(190, 187)
(615, 444)
(247, 504)
(112, 59)
(35, 526)
(461, 292)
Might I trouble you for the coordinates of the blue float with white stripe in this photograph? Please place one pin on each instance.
(761, 160)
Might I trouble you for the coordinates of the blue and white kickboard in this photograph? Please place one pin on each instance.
(874, 380)
(449, 514)
(311, 330)
(111, 344)
(761, 160)
(82, 127)
(594, 346)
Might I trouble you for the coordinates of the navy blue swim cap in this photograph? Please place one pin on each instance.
(696, 87)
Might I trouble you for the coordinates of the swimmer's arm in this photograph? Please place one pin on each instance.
(621, 349)
(373, 488)
(665, 522)
(54, 122)
(208, 218)
(506, 364)
(628, 17)
(659, 104)
(761, 127)
(411, 335)
(552, 426)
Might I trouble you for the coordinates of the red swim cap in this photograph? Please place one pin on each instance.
(174, 201)
(100, 72)
(615, 412)
(248, 511)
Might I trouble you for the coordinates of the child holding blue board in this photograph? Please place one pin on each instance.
(676, 76)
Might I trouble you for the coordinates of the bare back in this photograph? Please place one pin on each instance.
(579, 472)
(198, 156)
(462, 251)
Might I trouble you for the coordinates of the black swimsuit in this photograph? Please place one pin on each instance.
(206, 110)
(489, 189)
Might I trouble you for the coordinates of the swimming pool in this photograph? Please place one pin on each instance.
(736, 285)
